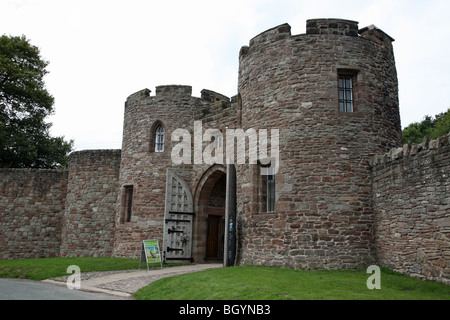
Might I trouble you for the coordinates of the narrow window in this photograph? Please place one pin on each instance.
(345, 94)
(270, 193)
(127, 203)
(159, 139)
(267, 190)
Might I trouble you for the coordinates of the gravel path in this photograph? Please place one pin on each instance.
(130, 281)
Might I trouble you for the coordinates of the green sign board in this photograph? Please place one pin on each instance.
(150, 252)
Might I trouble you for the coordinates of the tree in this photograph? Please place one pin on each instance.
(441, 125)
(429, 127)
(25, 141)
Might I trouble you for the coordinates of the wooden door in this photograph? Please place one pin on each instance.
(178, 220)
(215, 235)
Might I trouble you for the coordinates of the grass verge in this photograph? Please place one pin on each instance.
(41, 269)
(261, 283)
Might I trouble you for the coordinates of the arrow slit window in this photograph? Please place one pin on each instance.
(127, 204)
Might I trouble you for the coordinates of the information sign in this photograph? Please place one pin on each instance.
(150, 253)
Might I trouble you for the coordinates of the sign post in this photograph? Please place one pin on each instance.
(150, 253)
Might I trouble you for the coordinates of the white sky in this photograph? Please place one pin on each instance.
(101, 51)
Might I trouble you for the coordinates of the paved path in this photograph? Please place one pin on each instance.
(125, 283)
(20, 289)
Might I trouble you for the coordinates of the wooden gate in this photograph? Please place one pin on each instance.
(178, 220)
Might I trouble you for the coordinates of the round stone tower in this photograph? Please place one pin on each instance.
(333, 95)
(149, 121)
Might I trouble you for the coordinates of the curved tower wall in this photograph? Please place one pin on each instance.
(323, 216)
(144, 169)
(88, 222)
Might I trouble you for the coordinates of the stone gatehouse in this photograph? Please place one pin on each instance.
(345, 193)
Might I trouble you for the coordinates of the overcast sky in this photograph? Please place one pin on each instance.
(101, 51)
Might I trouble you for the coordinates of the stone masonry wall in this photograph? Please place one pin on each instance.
(145, 170)
(32, 205)
(88, 224)
(222, 113)
(411, 189)
(323, 216)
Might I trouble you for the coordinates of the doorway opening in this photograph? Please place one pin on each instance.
(210, 218)
(215, 210)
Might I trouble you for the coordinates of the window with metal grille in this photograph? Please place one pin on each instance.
(159, 139)
(271, 193)
(266, 188)
(345, 94)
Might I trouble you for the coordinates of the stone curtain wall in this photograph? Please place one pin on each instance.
(411, 191)
(88, 224)
(32, 205)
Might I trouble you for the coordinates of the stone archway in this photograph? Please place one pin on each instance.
(209, 222)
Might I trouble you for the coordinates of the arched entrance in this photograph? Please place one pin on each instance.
(209, 224)
(214, 209)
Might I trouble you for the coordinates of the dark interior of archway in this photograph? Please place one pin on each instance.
(215, 209)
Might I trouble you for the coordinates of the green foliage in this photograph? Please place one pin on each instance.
(429, 127)
(25, 141)
(441, 125)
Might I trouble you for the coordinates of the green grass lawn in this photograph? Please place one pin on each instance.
(242, 283)
(261, 283)
(41, 269)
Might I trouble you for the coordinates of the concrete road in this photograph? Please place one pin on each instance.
(12, 289)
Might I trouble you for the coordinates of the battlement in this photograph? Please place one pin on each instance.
(320, 27)
(375, 34)
(173, 90)
(180, 91)
(274, 34)
(332, 26)
(213, 97)
(141, 94)
(409, 150)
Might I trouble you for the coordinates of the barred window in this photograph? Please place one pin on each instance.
(345, 94)
(267, 189)
(271, 193)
